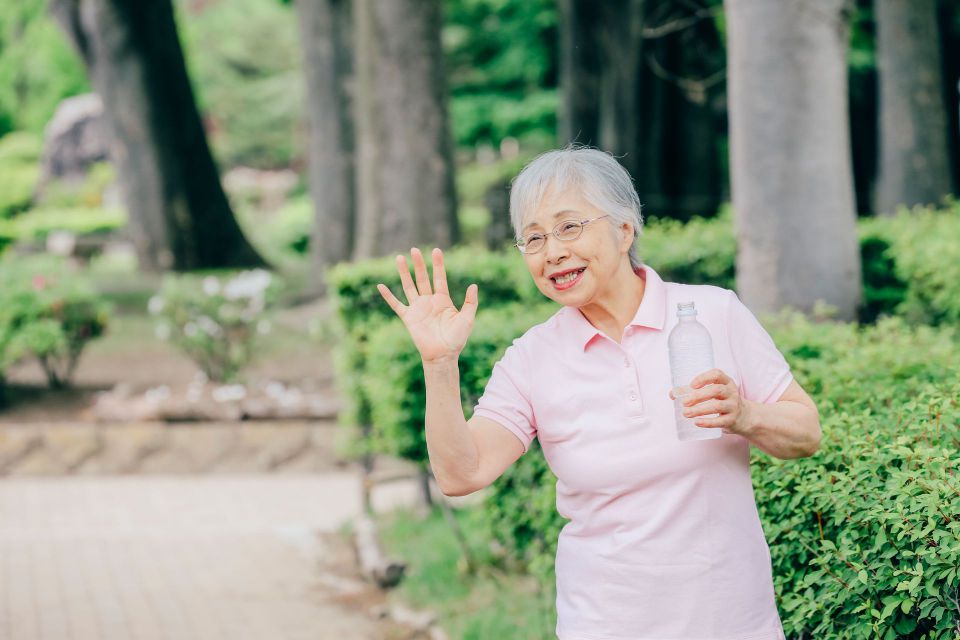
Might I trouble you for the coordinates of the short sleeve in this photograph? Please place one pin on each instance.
(764, 372)
(506, 398)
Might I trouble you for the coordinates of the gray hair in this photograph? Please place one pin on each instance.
(598, 176)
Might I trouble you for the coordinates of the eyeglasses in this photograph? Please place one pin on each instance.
(567, 231)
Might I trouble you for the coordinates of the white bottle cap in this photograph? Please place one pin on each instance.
(686, 309)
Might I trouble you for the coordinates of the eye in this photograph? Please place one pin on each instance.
(567, 226)
(533, 238)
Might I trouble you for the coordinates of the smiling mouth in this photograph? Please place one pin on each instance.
(568, 279)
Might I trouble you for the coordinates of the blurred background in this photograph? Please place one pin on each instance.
(198, 197)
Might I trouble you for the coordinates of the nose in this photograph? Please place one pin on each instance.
(555, 248)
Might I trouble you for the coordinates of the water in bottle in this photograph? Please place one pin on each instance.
(691, 353)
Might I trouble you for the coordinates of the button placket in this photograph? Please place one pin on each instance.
(633, 392)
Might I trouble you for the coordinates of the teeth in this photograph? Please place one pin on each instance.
(567, 278)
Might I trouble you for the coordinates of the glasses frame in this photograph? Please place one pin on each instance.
(556, 233)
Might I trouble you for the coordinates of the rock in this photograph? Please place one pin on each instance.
(76, 138)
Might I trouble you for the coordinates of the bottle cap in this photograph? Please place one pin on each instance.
(686, 309)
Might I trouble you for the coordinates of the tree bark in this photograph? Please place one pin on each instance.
(790, 163)
(179, 215)
(325, 27)
(600, 56)
(914, 159)
(405, 173)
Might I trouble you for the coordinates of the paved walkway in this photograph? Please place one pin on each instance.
(178, 558)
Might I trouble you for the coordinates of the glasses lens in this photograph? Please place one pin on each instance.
(534, 244)
(569, 230)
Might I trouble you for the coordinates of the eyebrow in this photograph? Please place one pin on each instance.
(555, 216)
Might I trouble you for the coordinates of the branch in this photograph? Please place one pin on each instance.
(679, 24)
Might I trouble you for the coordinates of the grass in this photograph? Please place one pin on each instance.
(487, 605)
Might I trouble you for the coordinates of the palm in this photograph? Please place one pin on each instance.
(438, 330)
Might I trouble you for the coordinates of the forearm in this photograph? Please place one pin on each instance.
(453, 453)
(783, 429)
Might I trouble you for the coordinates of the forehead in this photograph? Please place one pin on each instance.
(556, 207)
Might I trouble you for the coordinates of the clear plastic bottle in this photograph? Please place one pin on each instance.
(691, 353)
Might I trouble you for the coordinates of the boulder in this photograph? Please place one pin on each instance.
(75, 138)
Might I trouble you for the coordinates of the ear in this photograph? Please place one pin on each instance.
(626, 230)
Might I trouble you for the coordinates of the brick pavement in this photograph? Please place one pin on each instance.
(178, 558)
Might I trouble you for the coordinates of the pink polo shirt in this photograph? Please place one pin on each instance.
(663, 539)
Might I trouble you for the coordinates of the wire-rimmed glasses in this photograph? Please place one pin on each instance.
(567, 231)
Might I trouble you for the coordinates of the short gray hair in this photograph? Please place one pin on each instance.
(602, 180)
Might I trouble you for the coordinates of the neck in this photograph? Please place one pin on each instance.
(613, 308)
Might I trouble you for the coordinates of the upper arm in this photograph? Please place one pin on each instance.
(497, 449)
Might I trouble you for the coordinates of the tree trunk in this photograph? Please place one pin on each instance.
(914, 161)
(179, 215)
(790, 163)
(405, 174)
(324, 32)
(600, 54)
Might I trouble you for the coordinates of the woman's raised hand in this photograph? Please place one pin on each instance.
(438, 330)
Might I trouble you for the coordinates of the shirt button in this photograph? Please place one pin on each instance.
(633, 396)
(626, 362)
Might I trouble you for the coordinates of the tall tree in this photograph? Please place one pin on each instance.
(791, 173)
(914, 158)
(405, 174)
(179, 215)
(600, 56)
(325, 27)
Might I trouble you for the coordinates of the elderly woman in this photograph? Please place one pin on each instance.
(663, 539)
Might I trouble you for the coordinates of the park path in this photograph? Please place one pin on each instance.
(177, 557)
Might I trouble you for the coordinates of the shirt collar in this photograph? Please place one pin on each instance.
(651, 312)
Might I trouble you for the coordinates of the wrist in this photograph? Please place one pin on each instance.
(748, 419)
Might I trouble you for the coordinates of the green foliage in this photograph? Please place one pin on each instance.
(88, 193)
(37, 224)
(214, 322)
(244, 58)
(924, 247)
(863, 536)
(38, 68)
(47, 315)
(702, 251)
(19, 172)
(488, 604)
(501, 58)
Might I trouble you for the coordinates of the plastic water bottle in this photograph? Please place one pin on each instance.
(691, 353)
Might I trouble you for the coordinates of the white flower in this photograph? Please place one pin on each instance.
(190, 330)
(228, 393)
(209, 326)
(155, 305)
(211, 285)
(247, 284)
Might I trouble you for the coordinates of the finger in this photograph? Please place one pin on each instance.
(439, 274)
(706, 408)
(397, 306)
(469, 308)
(405, 280)
(420, 271)
(713, 375)
(714, 423)
(706, 393)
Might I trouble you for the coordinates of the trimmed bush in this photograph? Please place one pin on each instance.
(214, 322)
(50, 318)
